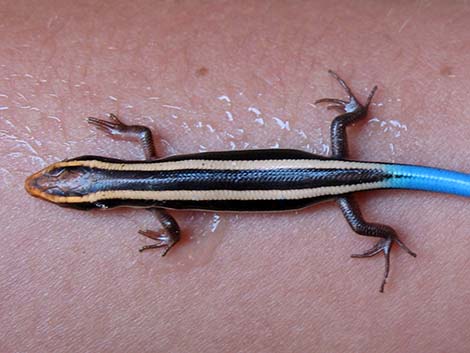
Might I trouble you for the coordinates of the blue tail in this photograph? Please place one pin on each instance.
(428, 179)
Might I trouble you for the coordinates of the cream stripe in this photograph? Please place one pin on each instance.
(211, 195)
(221, 164)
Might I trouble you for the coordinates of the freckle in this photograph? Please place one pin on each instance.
(202, 71)
(446, 71)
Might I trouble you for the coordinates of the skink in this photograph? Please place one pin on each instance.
(249, 180)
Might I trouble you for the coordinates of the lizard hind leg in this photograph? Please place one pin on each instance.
(387, 234)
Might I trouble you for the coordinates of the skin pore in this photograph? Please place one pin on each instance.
(217, 76)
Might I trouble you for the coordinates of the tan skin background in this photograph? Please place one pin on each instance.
(74, 281)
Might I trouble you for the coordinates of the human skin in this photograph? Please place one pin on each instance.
(202, 76)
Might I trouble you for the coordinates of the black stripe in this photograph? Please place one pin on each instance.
(244, 155)
(217, 205)
(196, 179)
(248, 155)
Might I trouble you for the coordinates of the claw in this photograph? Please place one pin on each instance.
(378, 247)
(338, 104)
(331, 100)
(384, 245)
(341, 82)
(371, 95)
(114, 117)
(352, 104)
(404, 247)
(100, 123)
(113, 127)
(110, 127)
(162, 241)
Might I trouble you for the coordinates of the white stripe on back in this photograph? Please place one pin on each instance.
(205, 164)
